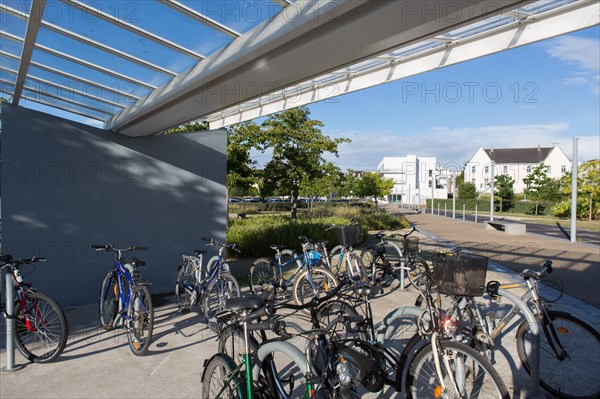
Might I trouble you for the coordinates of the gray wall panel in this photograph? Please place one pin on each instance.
(66, 185)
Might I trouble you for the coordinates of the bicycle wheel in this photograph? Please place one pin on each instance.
(317, 282)
(573, 373)
(109, 300)
(139, 332)
(473, 375)
(459, 311)
(355, 267)
(220, 290)
(186, 286)
(419, 270)
(341, 320)
(220, 379)
(232, 342)
(335, 259)
(279, 370)
(261, 277)
(41, 327)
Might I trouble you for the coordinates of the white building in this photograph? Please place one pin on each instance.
(515, 162)
(413, 177)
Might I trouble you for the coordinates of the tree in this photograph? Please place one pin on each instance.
(373, 185)
(503, 189)
(298, 146)
(588, 192)
(187, 128)
(241, 174)
(348, 184)
(540, 187)
(325, 185)
(467, 190)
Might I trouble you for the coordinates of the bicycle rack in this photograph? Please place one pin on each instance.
(535, 347)
(10, 325)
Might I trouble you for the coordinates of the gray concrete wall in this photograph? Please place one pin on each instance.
(66, 185)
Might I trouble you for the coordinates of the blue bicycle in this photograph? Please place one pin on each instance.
(125, 299)
(267, 277)
(210, 287)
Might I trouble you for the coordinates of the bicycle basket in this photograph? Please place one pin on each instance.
(411, 245)
(349, 235)
(461, 274)
(314, 258)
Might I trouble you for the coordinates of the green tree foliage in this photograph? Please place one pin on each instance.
(503, 190)
(326, 185)
(298, 145)
(373, 185)
(187, 128)
(241, 172)
(348, 184)
(467, 190)
(588, 192)
(540, 187)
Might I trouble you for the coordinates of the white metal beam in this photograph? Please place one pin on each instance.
(81, 62)
(90, 42)
(36, 14)
(132, 28)
(74, 77)
(567, 19)
(282, 3)
(199, 17)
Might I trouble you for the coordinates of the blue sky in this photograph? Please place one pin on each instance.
(540, 94)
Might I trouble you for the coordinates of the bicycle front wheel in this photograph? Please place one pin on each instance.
(186, 286)
(314, 282)
(41, 328)
(139, 334)
(335, 259)
(109, 300)
(221, 380)
(355, 267)
(219, 291)
(469, 373)
(570, 372)
(261, 277)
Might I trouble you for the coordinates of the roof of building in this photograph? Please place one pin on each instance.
(518, 155)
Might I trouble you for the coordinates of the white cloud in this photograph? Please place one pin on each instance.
(584, 54)
(456, 146)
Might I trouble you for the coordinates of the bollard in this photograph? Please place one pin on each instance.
(10, 325)
(438, 209)
(475, 213)
(445, 215)
(463, 212)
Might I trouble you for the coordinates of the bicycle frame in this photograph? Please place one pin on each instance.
(120, 272)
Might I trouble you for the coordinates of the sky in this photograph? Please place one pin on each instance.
(540, 94)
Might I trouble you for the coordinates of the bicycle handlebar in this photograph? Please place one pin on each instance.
(404, 235)
(212, 241)
(6, 260)
(111, 247)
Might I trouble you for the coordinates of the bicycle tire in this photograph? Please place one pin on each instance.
(216, 294)
(419, 270)
(355, 267)
(576, 376)
(40, 328)
(422, 380)
(220, 374)
(334, 317)
(323, 280)
(186, 286)
(232, 342)
(334, 259)
(139, 332)
(261, 277)
(109, 300)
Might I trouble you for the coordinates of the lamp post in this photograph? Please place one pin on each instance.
(574, 173)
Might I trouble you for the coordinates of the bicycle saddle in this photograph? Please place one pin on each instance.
(137, 262)
(6, 259)
(199, 252)
(368, 290)
(252, 302)
(276, 247)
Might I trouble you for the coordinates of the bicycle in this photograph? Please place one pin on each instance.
(41, 329)
(125, 299)
(211, 287)
(386, 259)
(343, 254)
(266, 276)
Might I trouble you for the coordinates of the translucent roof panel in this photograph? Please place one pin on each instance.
(13, 24)
(479, 27)
(10, 46)
(415, 48)
(63, 104)
(8, 63)
(239, 15)
(541, 6)
(8, 77)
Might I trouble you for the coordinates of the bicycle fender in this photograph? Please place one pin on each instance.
(277, 346)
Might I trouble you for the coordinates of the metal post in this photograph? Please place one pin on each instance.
(463, 211)
(492, 191)
(574, 177)
(409, 199)
(445, 210)
(432, 189)
(453, 197)
(438, 209)
(475, 213)
(10, 325)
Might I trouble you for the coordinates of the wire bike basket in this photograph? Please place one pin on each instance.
(460, 274)
(349, 235)
(410, 245)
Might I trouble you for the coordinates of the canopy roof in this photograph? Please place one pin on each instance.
(142, 66)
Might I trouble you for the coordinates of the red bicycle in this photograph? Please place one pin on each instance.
(41, 326)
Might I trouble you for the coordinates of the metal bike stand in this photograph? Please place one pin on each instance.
(10, 326)
(534, 389)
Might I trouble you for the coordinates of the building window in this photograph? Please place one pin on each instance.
(548, 169)
(487, 182)
(563, 168)
(473, 169)
(480, 185)
(487, 170)
(430, 183)
(430, 172)
(473, 181)
(528, 168)
(505, 169)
